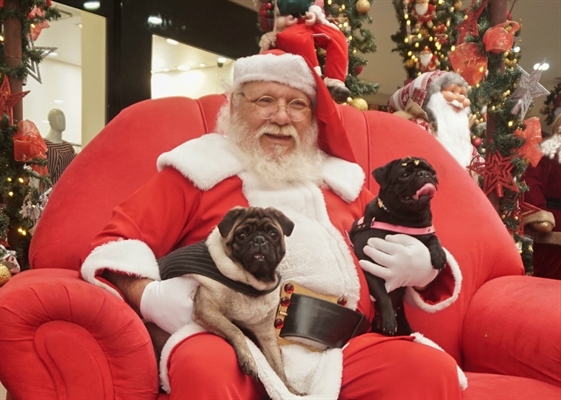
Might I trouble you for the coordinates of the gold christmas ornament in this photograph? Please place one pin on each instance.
(4, 273)
(362, 6)
(359, 103)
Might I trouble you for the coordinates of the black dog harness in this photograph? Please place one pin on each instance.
(196, 259)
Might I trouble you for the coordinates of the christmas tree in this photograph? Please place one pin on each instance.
(350, 17)
(501, 94)
(426, 33)
(23, 176)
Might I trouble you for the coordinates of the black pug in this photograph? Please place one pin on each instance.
(407, 186)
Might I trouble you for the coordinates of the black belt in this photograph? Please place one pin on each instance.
(319, 320)
(553, 203)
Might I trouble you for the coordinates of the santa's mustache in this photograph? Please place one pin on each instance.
(456, 103)
(274, 129)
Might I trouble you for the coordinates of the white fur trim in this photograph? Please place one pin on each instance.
(551, 147)
(189, 329)
(414, 298)
(317, 374)
(345, 178)
(288, 69)
(205, 161)
(209, 159)
(132, 257)
(419, 338)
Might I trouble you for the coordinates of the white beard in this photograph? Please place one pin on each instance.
(422, 8)
(303, 164)
(425, 59)
(452, 128)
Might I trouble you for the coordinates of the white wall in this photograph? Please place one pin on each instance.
(193, 83)
(62, 89)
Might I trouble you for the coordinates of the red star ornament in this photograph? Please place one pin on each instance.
(470, 24)
(496, 173)
(531, 150)
(9, 100)
(524, 210)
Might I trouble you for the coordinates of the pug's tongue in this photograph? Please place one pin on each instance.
(427, 190)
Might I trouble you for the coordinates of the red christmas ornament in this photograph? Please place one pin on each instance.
(467, 61)
(496, 173)
(477, 142)
(470, 24)
(359, 69)
(9, 100)
(500, 38)
(530, 150)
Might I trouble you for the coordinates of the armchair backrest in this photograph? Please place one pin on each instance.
(123, 156)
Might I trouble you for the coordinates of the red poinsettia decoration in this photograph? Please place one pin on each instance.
(531, 150)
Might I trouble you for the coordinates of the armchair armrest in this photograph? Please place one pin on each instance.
(513, 326)
(63, 338)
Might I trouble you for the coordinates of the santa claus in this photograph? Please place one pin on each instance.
(427, 61)
(423, 12)
(438, 102)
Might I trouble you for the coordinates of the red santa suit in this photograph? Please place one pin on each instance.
(544, 182)
(198, 183)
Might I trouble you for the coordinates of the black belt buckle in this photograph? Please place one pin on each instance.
(319, 318)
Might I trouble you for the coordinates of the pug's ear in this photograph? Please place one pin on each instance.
(286, 224)
(382, 174)
(228, 221)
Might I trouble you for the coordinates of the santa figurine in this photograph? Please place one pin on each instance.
(427, 61)
(423, 12)
(438, 102)
(301, 34)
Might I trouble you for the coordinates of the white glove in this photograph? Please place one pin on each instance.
(168, 303)
(402, 261)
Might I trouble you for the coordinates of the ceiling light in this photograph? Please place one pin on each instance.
(221, 60)
(202, 65)
(184, 67)
(53, 54)
(155, 20)
(541, 66)
(164, 69)
(92, 5)
(172, 42)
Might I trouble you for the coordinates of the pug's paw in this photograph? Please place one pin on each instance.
(438, 258)
(247, 363)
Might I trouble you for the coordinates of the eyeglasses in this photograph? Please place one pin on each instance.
(267, 107)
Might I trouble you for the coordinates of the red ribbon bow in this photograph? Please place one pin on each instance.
(29, 145)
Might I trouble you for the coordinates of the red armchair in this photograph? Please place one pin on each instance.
(62, 338)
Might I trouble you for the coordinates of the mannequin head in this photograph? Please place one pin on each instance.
(57, 120)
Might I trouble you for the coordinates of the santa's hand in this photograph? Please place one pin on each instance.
(311, 18)
(168, 303)
(401, 260)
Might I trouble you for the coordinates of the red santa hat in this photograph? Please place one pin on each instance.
(416, 91)
(297, 72)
